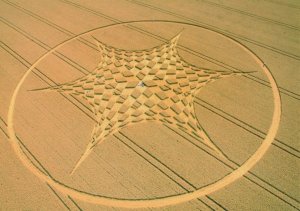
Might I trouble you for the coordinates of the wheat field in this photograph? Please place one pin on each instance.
(149, 105)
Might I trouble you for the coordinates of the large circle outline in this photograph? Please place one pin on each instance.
(154, 202)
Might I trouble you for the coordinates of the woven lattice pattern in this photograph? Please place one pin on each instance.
(130, 87)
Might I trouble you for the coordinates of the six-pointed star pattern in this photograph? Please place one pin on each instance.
(148, 85)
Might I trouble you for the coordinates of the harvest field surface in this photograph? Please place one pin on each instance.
(149, 105)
